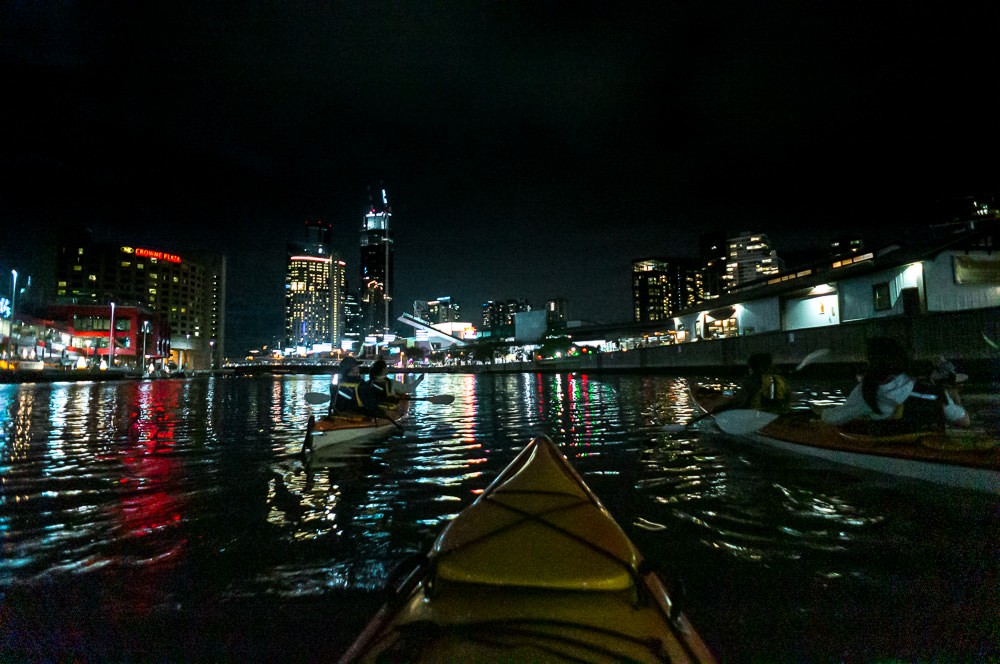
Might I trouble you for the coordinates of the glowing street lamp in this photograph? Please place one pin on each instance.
(145, 333)
(13, 302)
(111, 338)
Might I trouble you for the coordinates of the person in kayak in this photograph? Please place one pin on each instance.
(386, 390)
(352, 394)
(890, 401)
(761, 389)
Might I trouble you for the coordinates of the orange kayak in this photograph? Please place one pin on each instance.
(961, 458)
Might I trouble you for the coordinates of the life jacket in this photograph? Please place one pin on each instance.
(773, 395)
(382, 389)
(349, 398)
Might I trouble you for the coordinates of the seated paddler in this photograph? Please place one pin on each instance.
(350, 393)
(762, 388)
(889, 401)
(388, 392)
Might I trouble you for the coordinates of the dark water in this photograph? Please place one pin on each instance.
(172, 521)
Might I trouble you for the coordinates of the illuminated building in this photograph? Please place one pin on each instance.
(712, 249)
(441, 310)
(377, 277)
(498, 316)
(663, 286)
(314, 283)
(750, 258)
(556, 311)
(353, 321)
(188, 294)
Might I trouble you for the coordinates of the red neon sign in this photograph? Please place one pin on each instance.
(158, 255)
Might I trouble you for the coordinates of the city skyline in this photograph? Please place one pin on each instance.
(531, 149)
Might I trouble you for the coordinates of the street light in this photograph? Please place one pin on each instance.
(145, 332)
(13, 302)
(111, 338)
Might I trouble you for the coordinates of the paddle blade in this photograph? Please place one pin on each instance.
(739, 422)
(317, 398)
(812, 357)
(442, 399)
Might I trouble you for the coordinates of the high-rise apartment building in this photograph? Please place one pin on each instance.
(750, 258)
(661, 287)
(498, 316)
(187, 293)
(314, 280)
(377, 276)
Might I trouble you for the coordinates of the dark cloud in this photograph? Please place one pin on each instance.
(531, 148)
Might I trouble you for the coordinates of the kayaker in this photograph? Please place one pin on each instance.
(890, 401)
(352, 394)
(762, 388)
(386, 389)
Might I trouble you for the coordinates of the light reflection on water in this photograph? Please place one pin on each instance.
(162, 492)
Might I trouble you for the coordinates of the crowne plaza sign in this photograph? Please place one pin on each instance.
(152, 253)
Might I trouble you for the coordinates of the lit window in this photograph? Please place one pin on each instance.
(78, 268)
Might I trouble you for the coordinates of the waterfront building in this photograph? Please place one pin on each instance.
(141, 337)
(187, 293)
(958, 273)
(314, 280)
(376, 266)
(750, 258)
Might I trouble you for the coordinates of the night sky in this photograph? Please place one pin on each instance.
(530, 149)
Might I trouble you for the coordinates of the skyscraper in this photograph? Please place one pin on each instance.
(312, 297)
(750, 258)
(377, 276)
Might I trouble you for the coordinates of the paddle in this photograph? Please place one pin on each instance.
(316, 398)
(739, 422)
(736, 424)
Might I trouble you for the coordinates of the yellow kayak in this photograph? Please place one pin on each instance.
(536, 569)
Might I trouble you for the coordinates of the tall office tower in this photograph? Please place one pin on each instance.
(312, 302)
(338, 294)
(750, 258)
(662, 287)
(188, 294)
(377, 276)
(353, 321)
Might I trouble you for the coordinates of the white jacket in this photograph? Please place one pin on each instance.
(890, 394)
